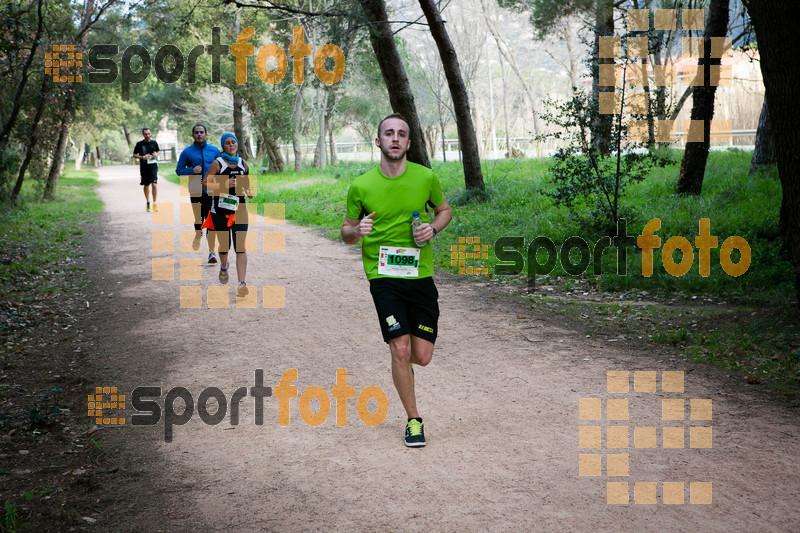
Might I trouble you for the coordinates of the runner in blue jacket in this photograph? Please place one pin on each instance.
(194, 161)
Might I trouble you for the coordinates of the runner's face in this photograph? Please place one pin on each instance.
(199, 135)
(230, 146)
(147, 135)
(394, 140)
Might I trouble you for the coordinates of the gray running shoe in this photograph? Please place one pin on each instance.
(242, 290)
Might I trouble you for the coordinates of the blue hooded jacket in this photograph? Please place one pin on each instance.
(193, 155)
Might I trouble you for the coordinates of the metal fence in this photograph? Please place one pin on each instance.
(530, 147)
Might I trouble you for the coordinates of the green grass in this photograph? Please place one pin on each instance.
(519, 205)
(40, 240)
(735, 205)
(10, 520)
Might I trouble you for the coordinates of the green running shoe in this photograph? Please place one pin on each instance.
(415, 437)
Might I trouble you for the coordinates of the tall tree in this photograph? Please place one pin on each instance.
(298, 112)
(33, 141)
(693, 164)
(8, 125)
(394, 76)
(242, 135)
(775, 24)
(88, 17)
(764, 153)
(473, 178)
(603, 27)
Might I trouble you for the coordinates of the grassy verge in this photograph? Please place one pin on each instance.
(762, 343)
(40, 242)
(746, 323)
(520, 206)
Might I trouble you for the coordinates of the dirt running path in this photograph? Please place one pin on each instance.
(500, 402)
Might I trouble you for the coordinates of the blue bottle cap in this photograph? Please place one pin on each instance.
(415, 214)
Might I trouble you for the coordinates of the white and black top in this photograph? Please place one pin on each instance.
(225, 170)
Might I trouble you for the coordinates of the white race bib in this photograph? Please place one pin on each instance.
(398, 261)
(152, 161)
(228, 202)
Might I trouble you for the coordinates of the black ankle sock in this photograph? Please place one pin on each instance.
(418, 419)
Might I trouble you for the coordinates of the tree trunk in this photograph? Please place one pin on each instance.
(431, 137)
(5, 135)
(315, 162)
(509, 151)
(276, 163)
(57, 164)
(574, 67)
(651, 130)
(444, 141)
(477, 112)
(58, 158)
(329, 119)
(127, 137)
(32, 142)
(322, 106)
(473, 178)
(78, 150)
(298, 120)
(331, 140)
(764, 152)
(651, 123)
(775, 24)
(238, 127)
(603, 27)
(261, 147)
(394, 76)
(693, 165)
(321, 149)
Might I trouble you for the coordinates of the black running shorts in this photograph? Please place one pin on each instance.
(225, 234)
(406, 306)
(148, 174)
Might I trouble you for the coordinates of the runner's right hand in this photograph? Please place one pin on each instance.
(364, 226)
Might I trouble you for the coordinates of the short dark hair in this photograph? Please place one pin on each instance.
(393, 115)
(144, 130)
(205, 130)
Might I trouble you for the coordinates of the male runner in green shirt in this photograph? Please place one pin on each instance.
(380, 204)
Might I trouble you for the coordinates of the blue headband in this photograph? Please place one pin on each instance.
(225, 136)
(232, 159)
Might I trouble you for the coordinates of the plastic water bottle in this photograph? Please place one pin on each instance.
(415, 223)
